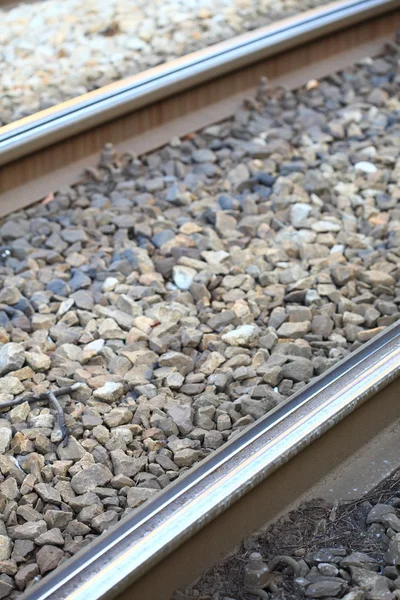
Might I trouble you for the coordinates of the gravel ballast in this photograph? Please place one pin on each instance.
(52, 51)
(189, 291)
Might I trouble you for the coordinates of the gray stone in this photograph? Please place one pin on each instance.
(10, 295)
(354, 595)
(324, 589)
(90, 478)
(342, 274)
(57, 518)
(162, 237)
(105, 521)
(293, 330)
(12, 358)
(392, 556)
(292, 274)
(5, 588)
(48, 558)
(392, 521)
(9, 489)
(359, 559)
(29, 531)
(328, 570)
(183, 363)
(375, 278)
(186, 457)
(72, 451)
(277, 317)
(25, 575)
(182, 415)
(88, 513)
(48, 493)
(83, 299)
(136, 496)
(117, 417)
(252, 407)
(269, 339)
(79, 281)
(166, 463)
(53, 537)
(59, 287)
(222, 319)
(224, 422)
(379, 511)
(298, 370)
(174, 380)
(271, 375)
(322, 325)
(375, 585)
(213, 439)
(204, 155)
(75, 528)
(126, 465)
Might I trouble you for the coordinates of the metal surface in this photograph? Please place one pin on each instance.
(151, 534)
(82, 113)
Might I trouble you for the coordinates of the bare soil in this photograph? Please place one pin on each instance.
(315, 525)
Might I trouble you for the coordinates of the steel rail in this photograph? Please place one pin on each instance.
(137, 544)
(94, 108)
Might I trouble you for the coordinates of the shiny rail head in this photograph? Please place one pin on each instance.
(94, 108)
(127, 552)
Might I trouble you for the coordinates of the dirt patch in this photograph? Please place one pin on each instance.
(314, 526)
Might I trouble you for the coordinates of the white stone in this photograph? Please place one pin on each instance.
(5, 547)
(299, 213)
(12, 357)
(109, 392)
(214, 257)
(65, 306)
(5, 439)
(242, 336)
(325, 226)
(183, 276)
(338, 248)
(110, 284)
(366, 167)
(95, 346)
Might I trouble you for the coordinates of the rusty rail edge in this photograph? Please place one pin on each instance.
(69, 118)
(124, 554)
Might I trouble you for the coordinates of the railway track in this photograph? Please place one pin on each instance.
(251, 481)
(143, 112)
(328, 430)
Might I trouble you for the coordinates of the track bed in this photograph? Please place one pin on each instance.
(84, 46)
(190, 291)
